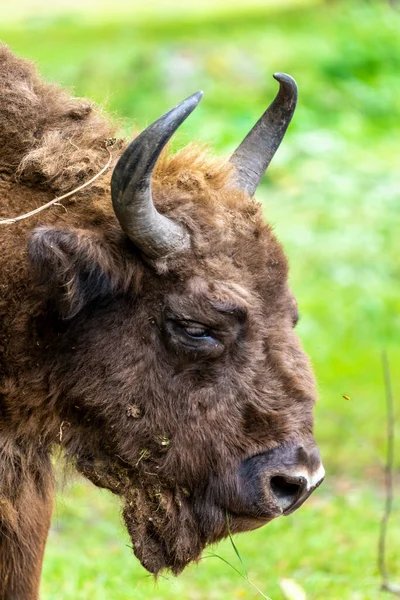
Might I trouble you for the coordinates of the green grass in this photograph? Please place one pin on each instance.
(95, 11)
(333, 195)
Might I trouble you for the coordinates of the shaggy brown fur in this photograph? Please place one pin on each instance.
(92, 340)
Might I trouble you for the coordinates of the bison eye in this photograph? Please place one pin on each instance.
(194, 330)
(192, 337)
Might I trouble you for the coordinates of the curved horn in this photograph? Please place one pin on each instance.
(254, 154)
(155, 234)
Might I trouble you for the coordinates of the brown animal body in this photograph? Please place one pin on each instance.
(165, 364)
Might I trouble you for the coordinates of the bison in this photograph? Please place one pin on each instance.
(146, 328)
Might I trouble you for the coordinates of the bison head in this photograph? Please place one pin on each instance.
(172, 359)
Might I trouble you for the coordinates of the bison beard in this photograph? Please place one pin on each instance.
(161, 521)
(163, 529)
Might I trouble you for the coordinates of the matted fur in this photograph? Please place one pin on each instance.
(86, 357)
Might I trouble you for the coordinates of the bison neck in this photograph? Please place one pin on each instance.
(25, 513)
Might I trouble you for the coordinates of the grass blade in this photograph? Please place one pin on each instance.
(234, 545)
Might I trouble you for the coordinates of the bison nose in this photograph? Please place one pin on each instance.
(276, 482)
(292, 488)
(287, 490)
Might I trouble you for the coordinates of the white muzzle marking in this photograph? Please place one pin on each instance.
(312, 479)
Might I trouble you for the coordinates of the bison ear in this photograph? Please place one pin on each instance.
(73, 266)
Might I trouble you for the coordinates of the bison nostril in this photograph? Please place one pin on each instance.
(287, 489)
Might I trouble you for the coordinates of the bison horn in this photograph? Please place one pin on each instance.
(155, 234)
(254, 154)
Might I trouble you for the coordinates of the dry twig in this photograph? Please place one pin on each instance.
(386, 585)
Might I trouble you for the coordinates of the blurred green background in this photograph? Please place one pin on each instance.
(333, 195)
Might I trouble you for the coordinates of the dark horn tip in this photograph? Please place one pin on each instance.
(287, 81)
(193, 100)
(182, 110)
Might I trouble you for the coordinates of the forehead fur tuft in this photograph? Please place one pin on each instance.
(192, 170)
